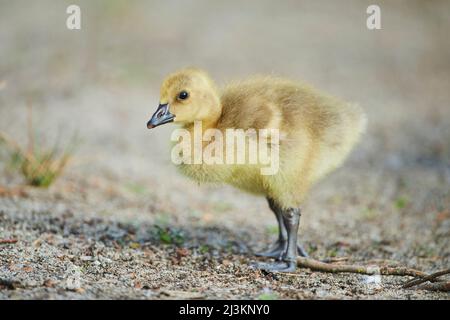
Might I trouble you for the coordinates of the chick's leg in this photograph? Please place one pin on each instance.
(279, 247)
(288, 263)
(291, 218)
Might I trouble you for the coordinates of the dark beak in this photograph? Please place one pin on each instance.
(161, 116)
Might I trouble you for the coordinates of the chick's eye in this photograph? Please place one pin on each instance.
(183, 95)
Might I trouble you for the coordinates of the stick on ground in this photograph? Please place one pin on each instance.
(369, 270)
(8, 241)
(431, 277)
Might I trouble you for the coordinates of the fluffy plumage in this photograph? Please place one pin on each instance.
(317, 131)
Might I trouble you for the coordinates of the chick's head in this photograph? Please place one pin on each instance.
(187, 96)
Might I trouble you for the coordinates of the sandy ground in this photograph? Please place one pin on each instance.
(122, 223)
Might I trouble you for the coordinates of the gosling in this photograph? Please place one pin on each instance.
(316, 134)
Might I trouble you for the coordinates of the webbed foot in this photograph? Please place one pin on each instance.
(277, 250)
(277, 266)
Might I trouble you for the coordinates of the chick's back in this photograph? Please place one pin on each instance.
(317, 131)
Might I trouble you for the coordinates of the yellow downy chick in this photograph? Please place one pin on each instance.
(316, 133)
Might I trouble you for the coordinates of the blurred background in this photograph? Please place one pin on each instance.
(391, 199)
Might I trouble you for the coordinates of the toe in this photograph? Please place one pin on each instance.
(275, 251)
(280, 266)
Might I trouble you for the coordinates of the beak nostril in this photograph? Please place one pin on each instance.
(161, 116)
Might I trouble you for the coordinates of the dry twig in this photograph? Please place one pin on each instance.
(8, 241)
(337, 259)
(346, 268)
(420, 277)
(431, 277)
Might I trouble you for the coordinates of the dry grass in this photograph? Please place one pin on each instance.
(39, 165)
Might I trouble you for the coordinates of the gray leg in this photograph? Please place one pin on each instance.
(279, 247)
(291, 218)
(288, 263)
